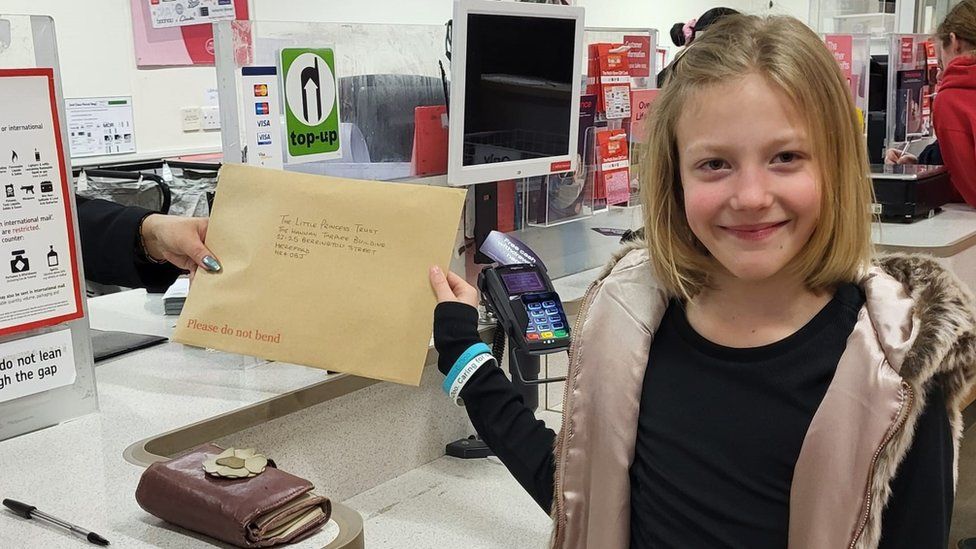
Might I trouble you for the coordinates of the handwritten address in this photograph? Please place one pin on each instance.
(298, 237)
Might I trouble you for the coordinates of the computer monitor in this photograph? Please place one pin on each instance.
(515, 87)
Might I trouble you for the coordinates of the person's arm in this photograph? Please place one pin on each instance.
(111, 247)
(138, 248)
(931, 155)
(895, 156)
(920, 509)
(179, 241)
(959, 152)
(497, 411)
(952, 120)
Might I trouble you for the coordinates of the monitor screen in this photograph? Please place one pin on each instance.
(518, 88)
(515, 84)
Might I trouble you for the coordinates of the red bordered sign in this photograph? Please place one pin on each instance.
(39, 287)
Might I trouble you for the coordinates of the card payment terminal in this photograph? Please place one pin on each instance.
(527, 306)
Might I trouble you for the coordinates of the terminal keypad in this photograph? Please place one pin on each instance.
(546, 321)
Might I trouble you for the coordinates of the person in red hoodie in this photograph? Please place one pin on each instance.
(954, 113)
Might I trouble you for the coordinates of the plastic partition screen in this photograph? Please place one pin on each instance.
(516, 83)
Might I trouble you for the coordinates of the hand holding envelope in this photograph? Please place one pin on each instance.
(322, 271)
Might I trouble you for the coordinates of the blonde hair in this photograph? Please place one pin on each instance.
(961, 20)
(791, 58)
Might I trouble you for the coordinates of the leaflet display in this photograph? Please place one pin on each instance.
(37, 248)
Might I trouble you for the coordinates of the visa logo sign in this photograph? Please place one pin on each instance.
(264, 123)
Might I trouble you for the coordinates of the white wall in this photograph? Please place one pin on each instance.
(797, 8)
(660, 15)
(98, 59)
(417, 12)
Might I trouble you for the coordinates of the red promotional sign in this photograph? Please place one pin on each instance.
(639, 55)
(614, 80)
(640, 109)
(842, 46)
(662, 58)
(613, 182)
(907, 50)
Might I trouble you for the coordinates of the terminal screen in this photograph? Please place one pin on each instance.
(523, 282)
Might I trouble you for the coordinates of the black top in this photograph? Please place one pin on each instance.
(729, 483)
(931, 155)
(110, 247)
(744, 507)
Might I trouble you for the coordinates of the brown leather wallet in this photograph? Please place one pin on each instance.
(269, 509)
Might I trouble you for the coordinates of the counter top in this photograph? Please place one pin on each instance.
(76, 470)
(131, 311)
(943, 235)
(454, 502)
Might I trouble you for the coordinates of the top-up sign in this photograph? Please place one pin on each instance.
(311, 104)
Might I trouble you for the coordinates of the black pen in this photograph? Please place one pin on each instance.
(31, 512)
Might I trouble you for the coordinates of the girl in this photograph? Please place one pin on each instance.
(747, 377)
(954, 112)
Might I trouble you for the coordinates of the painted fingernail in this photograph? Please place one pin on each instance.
(211, 263)
(435, 270)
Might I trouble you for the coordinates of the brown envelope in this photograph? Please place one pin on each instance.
(321, 271)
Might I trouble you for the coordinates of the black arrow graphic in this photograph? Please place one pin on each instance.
(310, 80)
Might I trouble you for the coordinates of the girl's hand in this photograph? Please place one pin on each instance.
(452, 288)
(455, 317)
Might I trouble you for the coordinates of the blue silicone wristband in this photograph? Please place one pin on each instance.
(462, 361)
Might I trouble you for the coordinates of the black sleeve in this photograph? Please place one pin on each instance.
(919, 512)
(110, 247)
(501, 418)
(931, 155)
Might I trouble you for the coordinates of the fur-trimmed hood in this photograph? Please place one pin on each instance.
(918, 326)
(945, 309)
